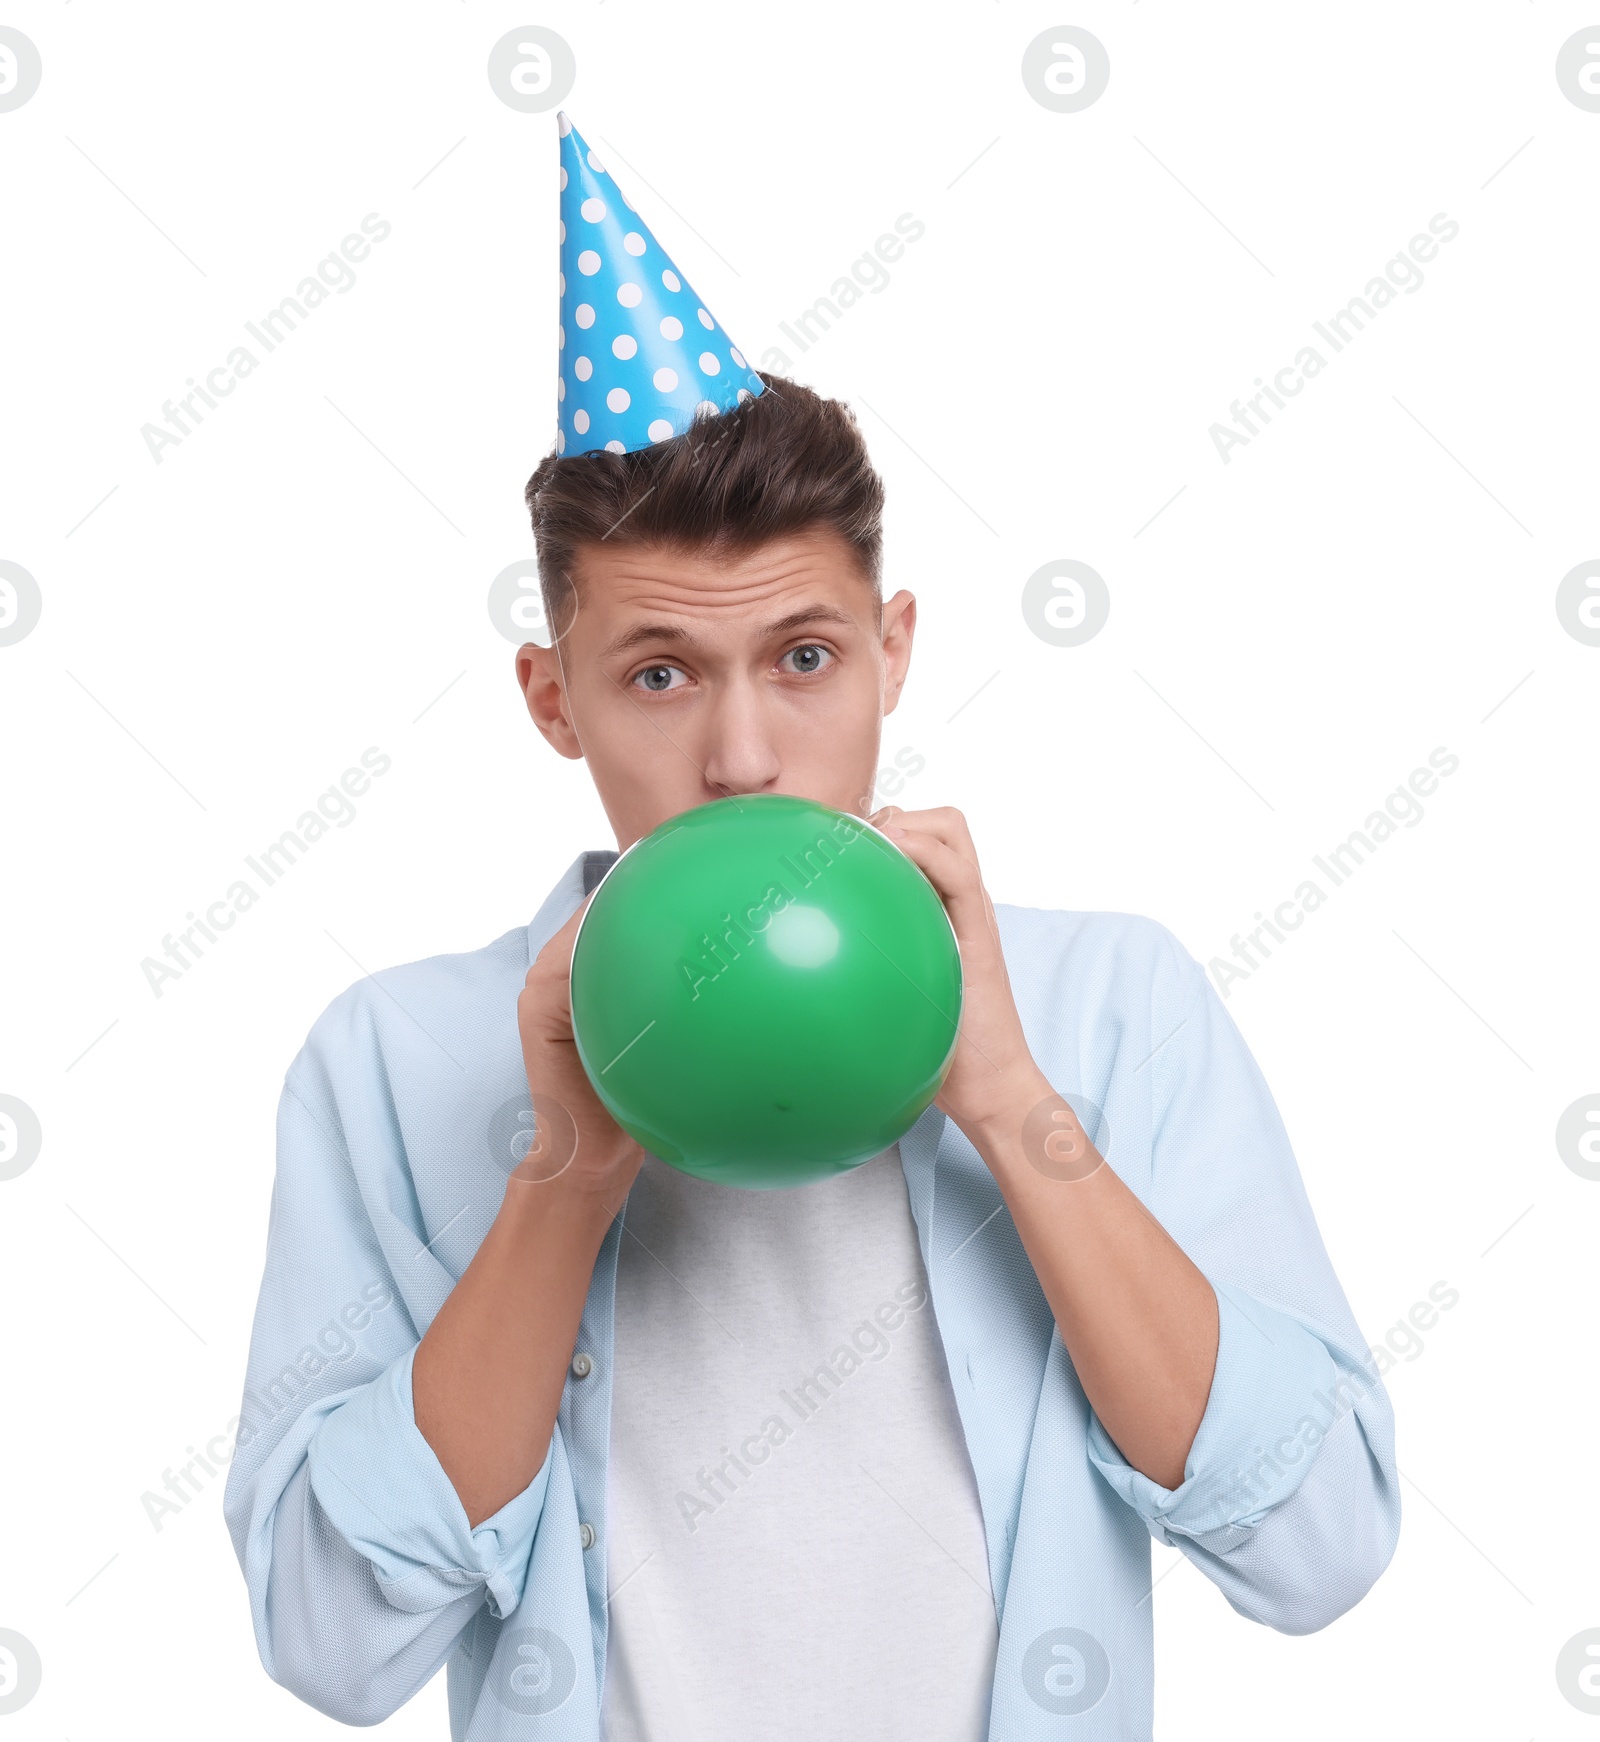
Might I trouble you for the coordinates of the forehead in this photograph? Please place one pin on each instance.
(628, 580)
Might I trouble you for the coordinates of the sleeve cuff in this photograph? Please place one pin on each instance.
(387, 1494)
(1275, 1395)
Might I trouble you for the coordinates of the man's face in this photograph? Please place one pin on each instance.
(686, 677)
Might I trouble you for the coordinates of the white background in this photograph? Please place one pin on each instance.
(1371, 577)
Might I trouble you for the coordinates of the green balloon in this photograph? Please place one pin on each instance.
(765, 991)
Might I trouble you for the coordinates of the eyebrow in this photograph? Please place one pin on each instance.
(676, 635)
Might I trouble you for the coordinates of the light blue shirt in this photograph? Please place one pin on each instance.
(397, 1127)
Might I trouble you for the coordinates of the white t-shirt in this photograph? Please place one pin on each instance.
(795, 1546)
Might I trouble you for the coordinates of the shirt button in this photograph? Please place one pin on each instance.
(586, 1535)
(582, 1366)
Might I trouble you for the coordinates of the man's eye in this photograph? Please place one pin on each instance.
(807, 659)
(658, 678)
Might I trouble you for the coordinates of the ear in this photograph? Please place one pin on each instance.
(899, 629)
(544, 688)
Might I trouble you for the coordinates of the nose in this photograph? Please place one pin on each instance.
(741, 752)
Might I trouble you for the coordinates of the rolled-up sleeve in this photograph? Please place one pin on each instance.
(1289, 1501)
(387, 1495)
(361, 1566)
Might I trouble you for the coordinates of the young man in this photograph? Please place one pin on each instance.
(645, 1457)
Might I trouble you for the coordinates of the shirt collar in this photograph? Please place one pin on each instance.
(579, 879)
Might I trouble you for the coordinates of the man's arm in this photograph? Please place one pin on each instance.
(1138, 1318)
(343, 1520)
(343, 1512)
(488, 1376)
(1248, 1429)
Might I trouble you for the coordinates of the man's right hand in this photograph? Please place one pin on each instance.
(576, 1141)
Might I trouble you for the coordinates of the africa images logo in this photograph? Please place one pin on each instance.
(1066, 1671)
(1402, 273)
(796, 934)
(534, 1672)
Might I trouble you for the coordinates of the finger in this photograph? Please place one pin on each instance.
(955, 878)
(945, 824)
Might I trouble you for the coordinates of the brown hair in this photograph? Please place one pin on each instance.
(783, 462)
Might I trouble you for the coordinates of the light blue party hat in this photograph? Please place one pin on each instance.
(640, 353)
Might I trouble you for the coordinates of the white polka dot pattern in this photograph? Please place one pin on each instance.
(638, 380)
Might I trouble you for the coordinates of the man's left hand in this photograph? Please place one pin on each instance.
(993, 1073)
